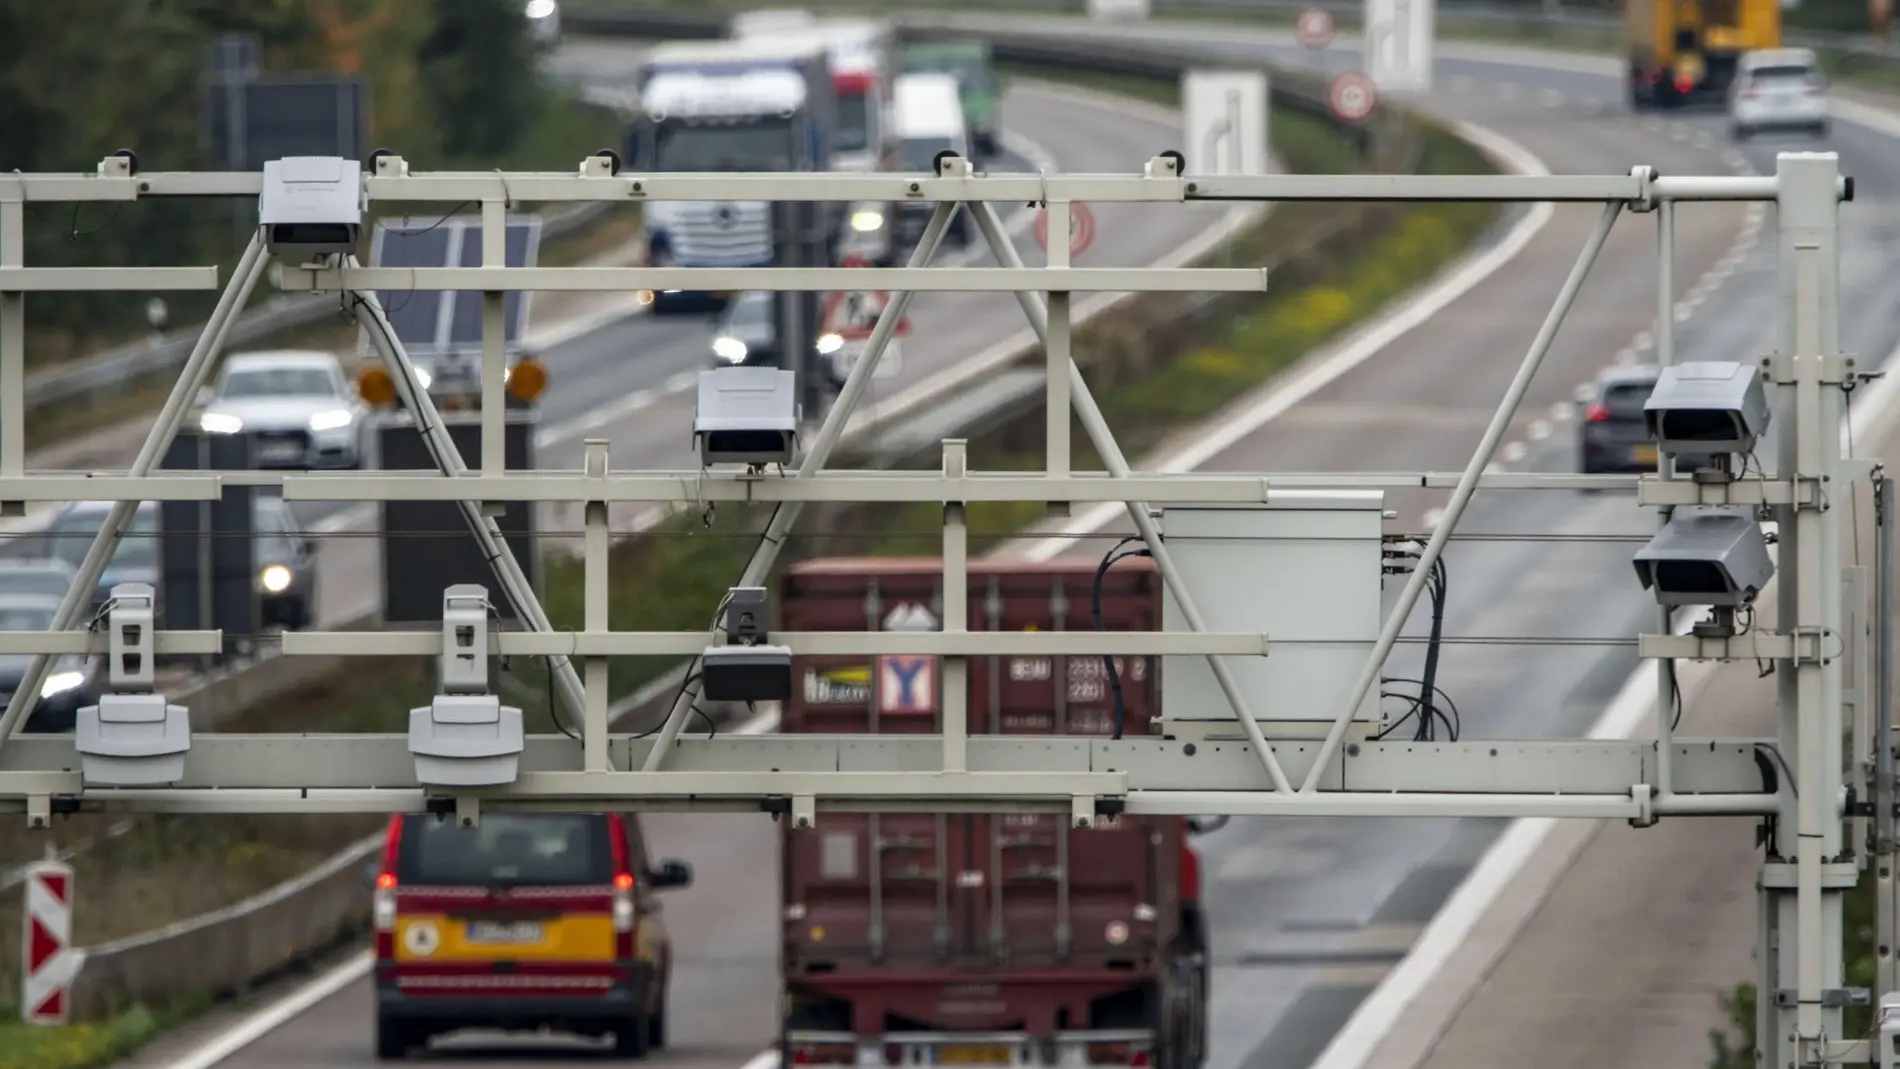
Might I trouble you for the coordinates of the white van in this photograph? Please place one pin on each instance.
(1778, 89)
(927, 118)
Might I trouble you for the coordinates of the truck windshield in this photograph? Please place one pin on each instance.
(854, 122)
(762, 144)
(920, 153)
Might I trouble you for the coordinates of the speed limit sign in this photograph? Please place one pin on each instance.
(1315, 28)
(1351, 96)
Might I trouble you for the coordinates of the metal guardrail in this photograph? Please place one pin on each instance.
(109, 372)
(233, 948)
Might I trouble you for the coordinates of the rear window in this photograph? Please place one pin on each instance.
(1782, 74)
(507, 850)
(1626, 401)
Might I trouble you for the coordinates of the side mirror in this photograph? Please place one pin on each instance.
(1203, 824)
(371, 869)
(671, 875)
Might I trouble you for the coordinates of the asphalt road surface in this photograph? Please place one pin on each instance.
(1311, 913)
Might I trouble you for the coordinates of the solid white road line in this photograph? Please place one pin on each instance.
(1281, 395)
(255, 1027)
(1355, 1043)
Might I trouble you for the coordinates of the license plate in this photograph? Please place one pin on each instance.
(503, 932)
(280, 450)
(1643, 454)
(976, 1054)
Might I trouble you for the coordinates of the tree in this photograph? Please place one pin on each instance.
(479, 76)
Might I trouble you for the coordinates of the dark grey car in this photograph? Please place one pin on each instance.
(71, 682)
(286, 561)
(1611, 435)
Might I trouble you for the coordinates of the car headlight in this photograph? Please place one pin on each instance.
(60, 682)
(220, 423)
(830, 343)
(275, 579)
(729, 349)
(332, 420)
(540, 9)
(867, 221)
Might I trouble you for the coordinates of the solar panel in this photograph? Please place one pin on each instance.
(524, 245)
(430, 321)
(415, 315)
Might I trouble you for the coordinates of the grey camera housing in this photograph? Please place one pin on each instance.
(466, 740)
(312, 205)
(746, 415)
(746, 673)
(133, 737)
(1716, 557)
(1707, 407)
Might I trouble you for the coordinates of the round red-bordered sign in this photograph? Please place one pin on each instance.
(1352, 96)
(1081, 228)
(1315, 28)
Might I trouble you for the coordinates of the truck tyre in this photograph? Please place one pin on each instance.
(656, 1028)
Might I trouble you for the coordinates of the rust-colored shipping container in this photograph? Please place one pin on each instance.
(984, 939)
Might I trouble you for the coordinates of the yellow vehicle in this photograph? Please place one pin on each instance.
(529, 921)
(1685, 51)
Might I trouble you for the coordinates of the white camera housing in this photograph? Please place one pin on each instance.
(746, 415)
(1706, 556)
(465, 737)
(1707, 407)
(133, 737)
(312, 205)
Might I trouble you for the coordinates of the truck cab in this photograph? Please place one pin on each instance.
(726, 107)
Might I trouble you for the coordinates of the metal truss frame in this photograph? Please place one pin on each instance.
(1817, 633)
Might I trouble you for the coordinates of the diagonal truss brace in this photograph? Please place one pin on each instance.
(193, 376)
(1103, 438)
(786, 514)
(369, 312)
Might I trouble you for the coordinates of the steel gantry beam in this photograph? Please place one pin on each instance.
(1291, 748)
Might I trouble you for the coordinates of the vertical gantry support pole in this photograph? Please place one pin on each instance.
(595, 580)
(448, 459)
(191, 378)
(1813, 405)
(494, 349)
(1461, 495)
(13, 344)
(1058, 350)
(956, 614)
(1885, 912)
(1096, 426)
(1667, 700)
(786, 513)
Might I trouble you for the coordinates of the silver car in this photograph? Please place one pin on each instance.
(299, 407)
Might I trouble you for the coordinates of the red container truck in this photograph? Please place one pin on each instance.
(985, 940)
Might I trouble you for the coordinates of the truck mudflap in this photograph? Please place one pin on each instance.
(1128, 1048)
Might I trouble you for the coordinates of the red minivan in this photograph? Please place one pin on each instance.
(525, 922)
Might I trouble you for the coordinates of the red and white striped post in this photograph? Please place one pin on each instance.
(51, 961)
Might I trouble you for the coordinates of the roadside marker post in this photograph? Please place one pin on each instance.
(50, 959)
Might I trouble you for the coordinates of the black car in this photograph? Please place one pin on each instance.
(71, 681)
(746, 334)
(285, 559)
(1612, 437)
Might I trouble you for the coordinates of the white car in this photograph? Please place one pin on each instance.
(1778, 89)
(299, 408)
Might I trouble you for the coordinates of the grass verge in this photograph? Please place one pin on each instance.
(572, 130)
(1156, 365)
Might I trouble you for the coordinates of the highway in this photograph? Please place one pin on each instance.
(1310, 914)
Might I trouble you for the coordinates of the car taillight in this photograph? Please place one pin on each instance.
(625, 916)
(383, 899)
(1596, 414)
(1684, 83)
(1750, 93)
